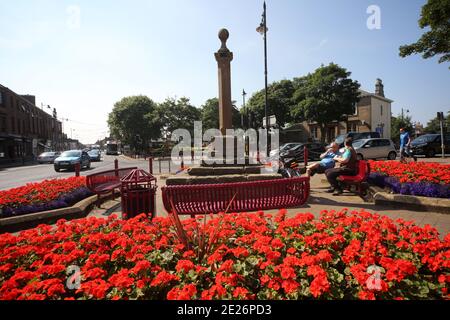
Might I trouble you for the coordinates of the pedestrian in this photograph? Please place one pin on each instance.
(326, 162)
(348, 167)
(405, 143)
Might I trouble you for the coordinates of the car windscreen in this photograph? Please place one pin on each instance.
(71, 154)
(359, 143)
(47, 154)
(340, 139)
(424, 139)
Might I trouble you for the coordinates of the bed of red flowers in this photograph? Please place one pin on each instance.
(39, 196)
(342, 255)
(413, 172)
(417, 179)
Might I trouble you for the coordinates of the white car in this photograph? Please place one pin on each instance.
(375, 149)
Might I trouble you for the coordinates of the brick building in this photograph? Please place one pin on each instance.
(25, 130)
(372, 113)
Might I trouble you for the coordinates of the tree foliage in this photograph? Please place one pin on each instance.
(279, 102)
(435, 16)
(176, 114)
(325, 96)
(210, 115)
(134, 116)
(434, 125)
(399, 122)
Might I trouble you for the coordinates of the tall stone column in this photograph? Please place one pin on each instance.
(224, 58)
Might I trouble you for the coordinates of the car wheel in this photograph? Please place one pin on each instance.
(359, 156)
(88, 165)
(392, 155)
(430, 153)
(57, 169)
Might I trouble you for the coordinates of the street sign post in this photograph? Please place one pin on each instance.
(441, 121)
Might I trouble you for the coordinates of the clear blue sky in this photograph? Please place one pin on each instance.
(165, 48)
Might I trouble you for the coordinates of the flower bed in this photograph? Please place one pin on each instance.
(418, 179)
(343, 255)
(43, 196)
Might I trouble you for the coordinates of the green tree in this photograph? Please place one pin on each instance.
(399, 122)
(325, 96)
(134, 117)
(435, 16)
(434, 125)
(178, 114)
(210, 115)
(279, 102)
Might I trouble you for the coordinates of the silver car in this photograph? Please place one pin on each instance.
(47, 157)
(375, 149)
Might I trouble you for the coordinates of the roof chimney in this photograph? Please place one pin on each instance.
(379, 88)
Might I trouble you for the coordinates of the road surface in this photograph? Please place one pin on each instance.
(19, 176)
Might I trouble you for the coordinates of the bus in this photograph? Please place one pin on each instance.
(112, 149)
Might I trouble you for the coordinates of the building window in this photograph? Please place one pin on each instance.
(13, 125)
(314, 133)
(356, 109)
(1, 98)
(2, 124)
(381, 109)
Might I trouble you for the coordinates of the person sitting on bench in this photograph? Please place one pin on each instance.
(326, 162)
(348, 167)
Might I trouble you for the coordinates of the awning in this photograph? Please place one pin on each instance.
(43, 145)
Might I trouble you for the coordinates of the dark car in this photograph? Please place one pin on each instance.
(429, 145)
(69, 159)
(297, 154)
(95, 155)
(356, 136)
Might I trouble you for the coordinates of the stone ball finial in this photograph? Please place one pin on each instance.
(223, 36)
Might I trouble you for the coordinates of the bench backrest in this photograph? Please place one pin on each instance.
(363, 169)
(237, 196)
(107, 177)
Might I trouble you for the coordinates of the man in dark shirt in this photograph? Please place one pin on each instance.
(348, 167)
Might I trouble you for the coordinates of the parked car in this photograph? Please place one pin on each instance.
(356, 136)
(69, 159)
(47, 157)
(284, 147)
(429, 145)
(95, 155)
(297, 153)
(375, 149)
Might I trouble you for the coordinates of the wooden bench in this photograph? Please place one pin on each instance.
(359, 180)
(236, 197)
(106, 181)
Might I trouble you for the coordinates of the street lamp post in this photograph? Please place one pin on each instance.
(244, 109)
(262, 29)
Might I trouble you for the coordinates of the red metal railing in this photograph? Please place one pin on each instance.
(237, 197)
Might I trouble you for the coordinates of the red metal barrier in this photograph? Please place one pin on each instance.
(248, 196)
(77, 169)
(306, 156)
(150, 165)
(116, 167)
